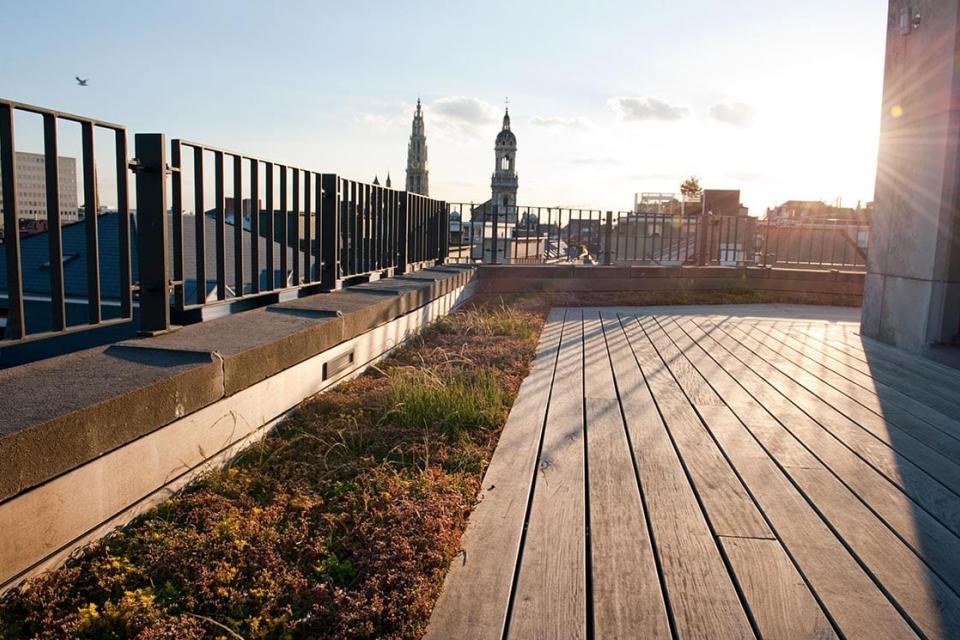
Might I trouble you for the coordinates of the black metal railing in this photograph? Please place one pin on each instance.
(215, 230)
(218, 230)
(491, 234)
(53, 304)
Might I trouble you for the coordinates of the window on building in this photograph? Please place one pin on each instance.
(505, 163)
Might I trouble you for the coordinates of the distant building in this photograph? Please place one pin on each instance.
(418, 172)
(32, 188)
(811, 211)
(722, 202)
(503, 183)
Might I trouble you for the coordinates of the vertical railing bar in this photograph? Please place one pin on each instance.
(15, 329)
(295, 214)
(221, 240)
(238, 225)
(328, 216)
(318, 263)
(54, 233)
(92, 223)
(255, 212)
(284, 227)
(123, 213)
(176, 205)
(307, 226)
(201, 227)
(271, 220)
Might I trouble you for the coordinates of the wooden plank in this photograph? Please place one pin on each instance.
(908, 477)
(702, 598)
(627, 598)
(882, 398)
(927, 600)
(476, 592)
(870, 351)
(550, 598)
(780, 601)
(730, 510)
(793, 439)
(826, 563)
(915, 440)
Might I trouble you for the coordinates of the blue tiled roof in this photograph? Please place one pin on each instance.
(35, 271)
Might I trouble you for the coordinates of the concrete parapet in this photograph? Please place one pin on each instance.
(91, 439)
(624, 279)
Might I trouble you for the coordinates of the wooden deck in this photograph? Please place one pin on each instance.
(716, 472)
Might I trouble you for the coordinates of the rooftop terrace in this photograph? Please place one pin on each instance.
(716, 472)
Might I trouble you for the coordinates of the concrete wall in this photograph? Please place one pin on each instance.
(93, 439)
(845, 287)
(912, 294)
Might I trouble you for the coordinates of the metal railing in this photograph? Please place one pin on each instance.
(214, 230)
(86, 291)
(218, 230)
(486, 233)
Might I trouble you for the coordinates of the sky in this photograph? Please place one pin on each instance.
(779, 99)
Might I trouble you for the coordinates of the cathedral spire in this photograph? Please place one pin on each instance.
(417, 167)
(503, 185)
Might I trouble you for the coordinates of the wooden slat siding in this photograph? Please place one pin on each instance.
(702, 599)
(627, 599)
(928, 602)
(774, 392)
(729, 508)
(476, 592)
(921, 531)
(879, 397)
(550, 597)
(915, 440)
(942, 395)
(778, 597)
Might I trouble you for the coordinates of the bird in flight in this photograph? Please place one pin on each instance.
(82, 82)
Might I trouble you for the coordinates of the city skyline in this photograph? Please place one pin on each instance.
(621, 100)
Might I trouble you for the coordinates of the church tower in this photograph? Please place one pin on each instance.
(503, 186)
(417, 172)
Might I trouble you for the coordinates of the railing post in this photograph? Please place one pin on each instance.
(703, 232)
(607, 236)
(496, 238)
(444, 248)
(403, 232)
(152, 237)
(329, 240)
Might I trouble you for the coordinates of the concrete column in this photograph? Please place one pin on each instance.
(912, 293)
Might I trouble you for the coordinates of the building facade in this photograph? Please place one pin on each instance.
(31, 195)
(418, 172)
(503, 184)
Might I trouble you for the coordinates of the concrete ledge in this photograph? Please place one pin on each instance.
(624, 279)
(42, 526)
(63, 412)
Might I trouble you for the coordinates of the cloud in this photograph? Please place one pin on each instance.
(737, 114)
(380, 121)
(596, 161)
(560, 122)
(461, 114)
(636, 109)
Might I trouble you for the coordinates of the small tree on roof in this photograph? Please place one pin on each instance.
(691, 187)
